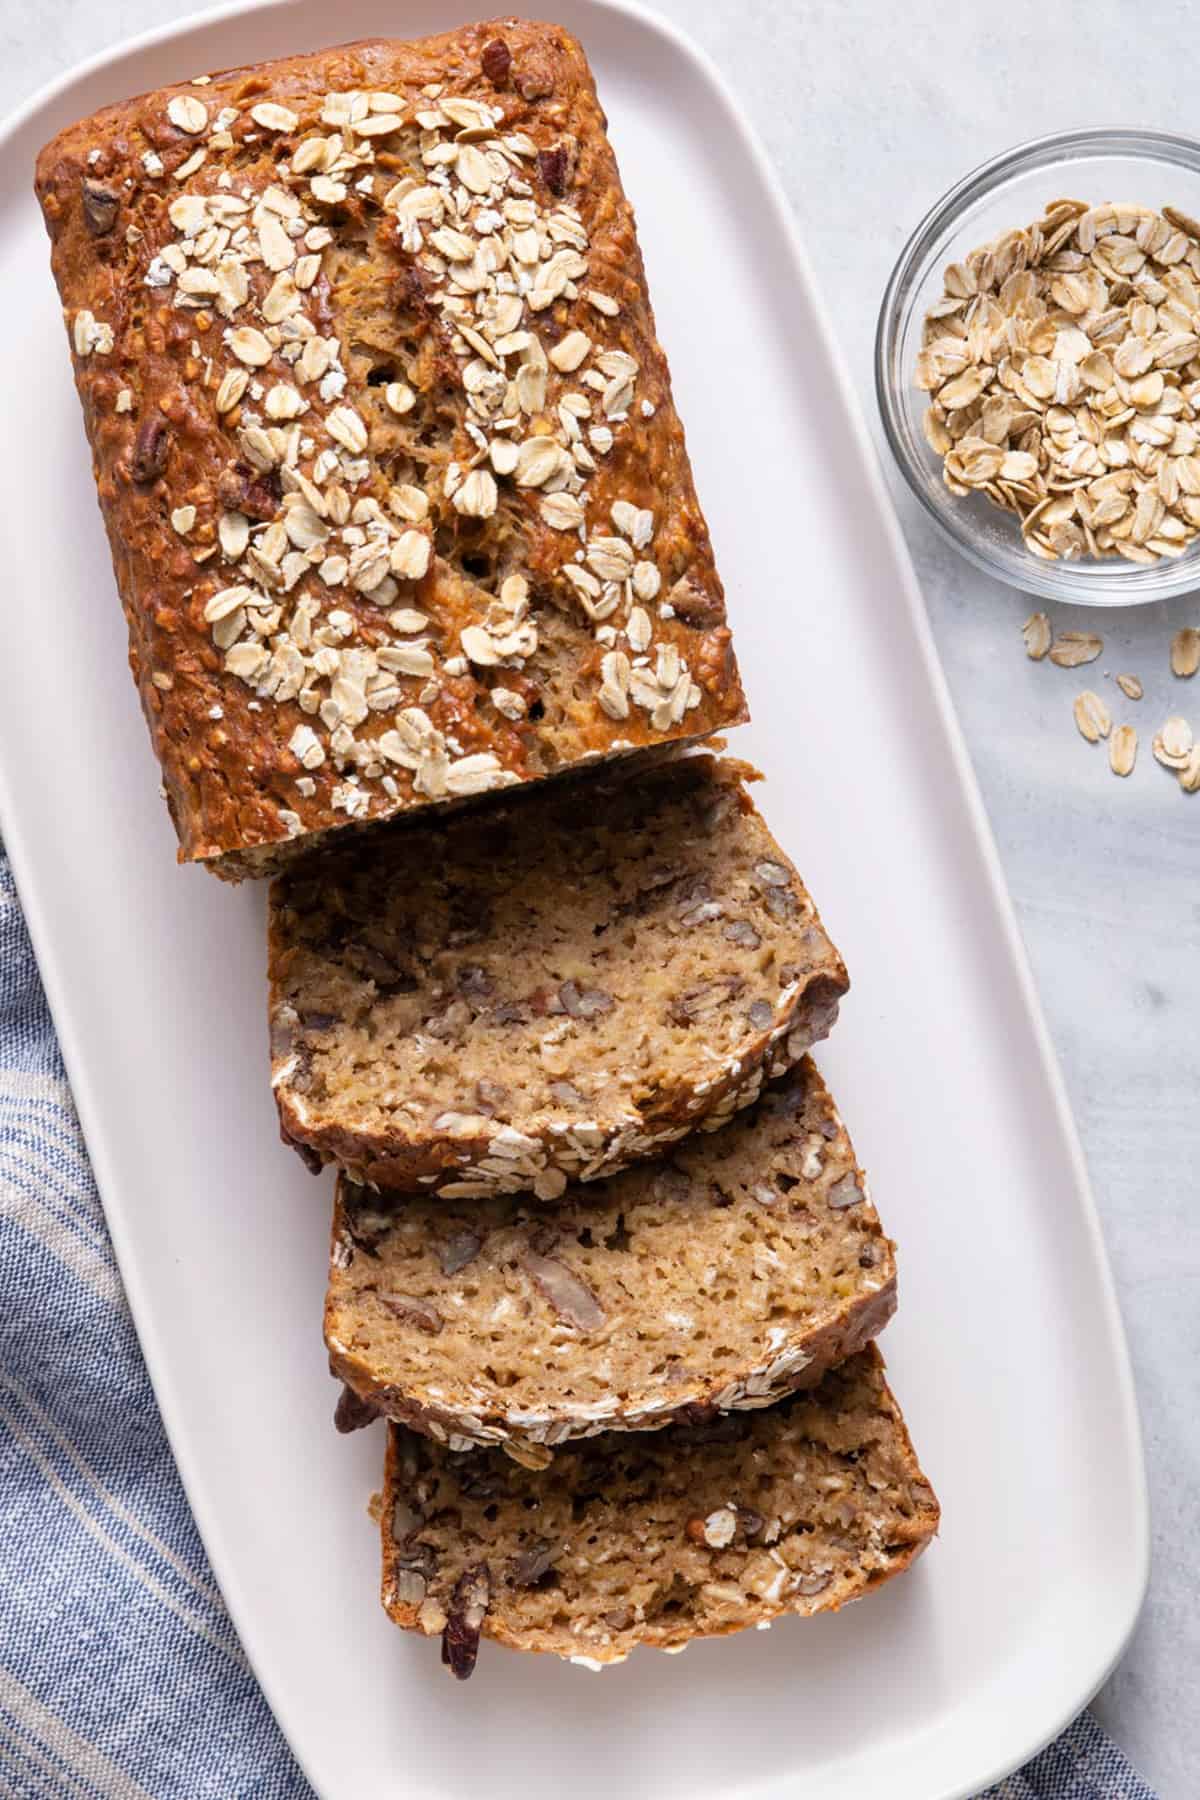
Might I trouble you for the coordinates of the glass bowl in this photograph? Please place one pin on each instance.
(1148, 167)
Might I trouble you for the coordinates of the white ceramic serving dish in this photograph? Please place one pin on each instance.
(1007, 1353)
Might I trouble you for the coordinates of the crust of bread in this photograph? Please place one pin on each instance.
(241, 795)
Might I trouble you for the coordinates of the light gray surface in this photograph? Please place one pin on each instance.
(870, 110)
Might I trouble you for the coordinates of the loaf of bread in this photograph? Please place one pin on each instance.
(545, 989)
(740, 1266)
(398, 500)
(656, 1538)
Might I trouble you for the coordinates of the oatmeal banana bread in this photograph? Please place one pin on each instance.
(656, 1538)
(548, 988)
(398, 500)
(739, 1267)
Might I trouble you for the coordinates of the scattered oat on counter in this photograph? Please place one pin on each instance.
(1070, 649)
(1063, 361)
(1185, 652)
(1122, 750)
(1092, 716)
(1175, 745)
(1038, 636)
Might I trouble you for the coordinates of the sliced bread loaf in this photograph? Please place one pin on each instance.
(737, 1267)
(548, 989)
(656, 1539)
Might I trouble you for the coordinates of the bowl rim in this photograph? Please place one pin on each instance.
(1077, 583)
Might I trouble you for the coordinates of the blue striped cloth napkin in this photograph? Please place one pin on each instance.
(121, 1677)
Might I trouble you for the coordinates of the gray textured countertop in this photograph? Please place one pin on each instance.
(870, 111)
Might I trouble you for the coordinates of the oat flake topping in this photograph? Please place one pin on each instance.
(540, 410)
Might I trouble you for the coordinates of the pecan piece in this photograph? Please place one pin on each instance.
(100, 207)
(474, 982)
(366, 1226)
(815, 1583)
(585, 1003)
(557, 164)
(845, 1192)
(544, 1237)
(238, 491)
(694, 605)
(571, 1297)
(412, 1311)
(150, 452)
(528, 1566)
(702, 912)
(815, 1017)
(781, 903)
(697, 1001)
(534, 82)
(459, 1249)
(383, 970)
(420, 1557)
(496, 61)
(353, 1412)
(406, 1522)
(299, 1075)
(311, 1158)
(464, 1620)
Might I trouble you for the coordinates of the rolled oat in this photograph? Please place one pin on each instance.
(1063, 364)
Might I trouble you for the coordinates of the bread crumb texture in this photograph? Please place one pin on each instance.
(657, 1538)
(544, 990)
(736, 1268)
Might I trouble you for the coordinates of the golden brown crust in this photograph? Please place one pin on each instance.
(236, 750)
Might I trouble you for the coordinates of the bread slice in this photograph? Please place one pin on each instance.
(659, 1539)
(549, 988)
(737, 1267)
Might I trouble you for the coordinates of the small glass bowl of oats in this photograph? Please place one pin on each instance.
(1037, 364)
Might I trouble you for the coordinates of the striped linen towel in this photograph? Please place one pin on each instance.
(121, 1677)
